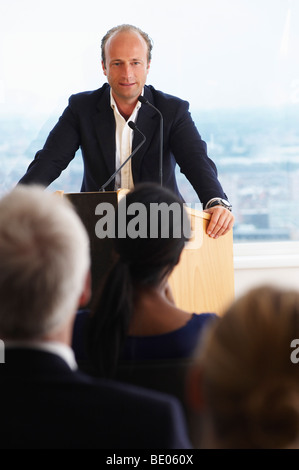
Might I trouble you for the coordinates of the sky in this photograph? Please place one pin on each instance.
(213, 53)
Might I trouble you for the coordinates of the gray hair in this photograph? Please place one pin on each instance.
(44, 253)
(126, 27)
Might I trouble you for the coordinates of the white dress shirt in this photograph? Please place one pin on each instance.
(123, 144)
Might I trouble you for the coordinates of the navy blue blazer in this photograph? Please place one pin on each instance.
(46, 405)
(88, 122)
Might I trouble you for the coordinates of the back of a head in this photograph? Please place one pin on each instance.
(156, 229)
(249, 384)
(44, 252)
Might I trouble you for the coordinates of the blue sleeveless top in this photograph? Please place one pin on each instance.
(176, 344)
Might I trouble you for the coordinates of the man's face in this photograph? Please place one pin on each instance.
(126, 65)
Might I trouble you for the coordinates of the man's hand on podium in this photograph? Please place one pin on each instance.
(222, 220)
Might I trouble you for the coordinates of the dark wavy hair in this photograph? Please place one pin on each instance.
(140, 261)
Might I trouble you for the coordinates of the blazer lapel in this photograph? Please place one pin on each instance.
(148, 122)
(105, 130)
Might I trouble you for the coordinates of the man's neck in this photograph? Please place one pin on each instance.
(125, 108)
(62, 335)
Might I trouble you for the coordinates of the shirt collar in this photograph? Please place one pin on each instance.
(114, 105)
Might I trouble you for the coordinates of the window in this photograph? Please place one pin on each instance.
(236, 62)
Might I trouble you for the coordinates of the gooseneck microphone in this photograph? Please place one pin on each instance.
(133, 126)
(145, 101)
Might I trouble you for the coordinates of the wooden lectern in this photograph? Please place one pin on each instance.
(203, 281)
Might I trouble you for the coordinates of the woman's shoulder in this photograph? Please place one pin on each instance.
(201, 318)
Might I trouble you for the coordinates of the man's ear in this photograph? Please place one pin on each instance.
(194, 392)
(104, 68)
(86, 292)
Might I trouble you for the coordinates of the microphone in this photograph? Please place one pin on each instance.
(145, 101)
(133, 126)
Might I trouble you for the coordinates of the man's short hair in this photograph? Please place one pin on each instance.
(122, 28)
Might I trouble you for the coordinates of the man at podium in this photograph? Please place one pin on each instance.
(129, 132)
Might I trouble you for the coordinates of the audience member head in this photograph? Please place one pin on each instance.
(156, 228)
(44, 252)
(244, 387)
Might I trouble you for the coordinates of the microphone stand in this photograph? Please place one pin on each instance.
(133, 126)
(145, 101)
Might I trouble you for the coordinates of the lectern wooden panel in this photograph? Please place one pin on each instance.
(203, 281)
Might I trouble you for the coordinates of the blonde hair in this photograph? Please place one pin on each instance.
(44, 253)
(249, 383)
